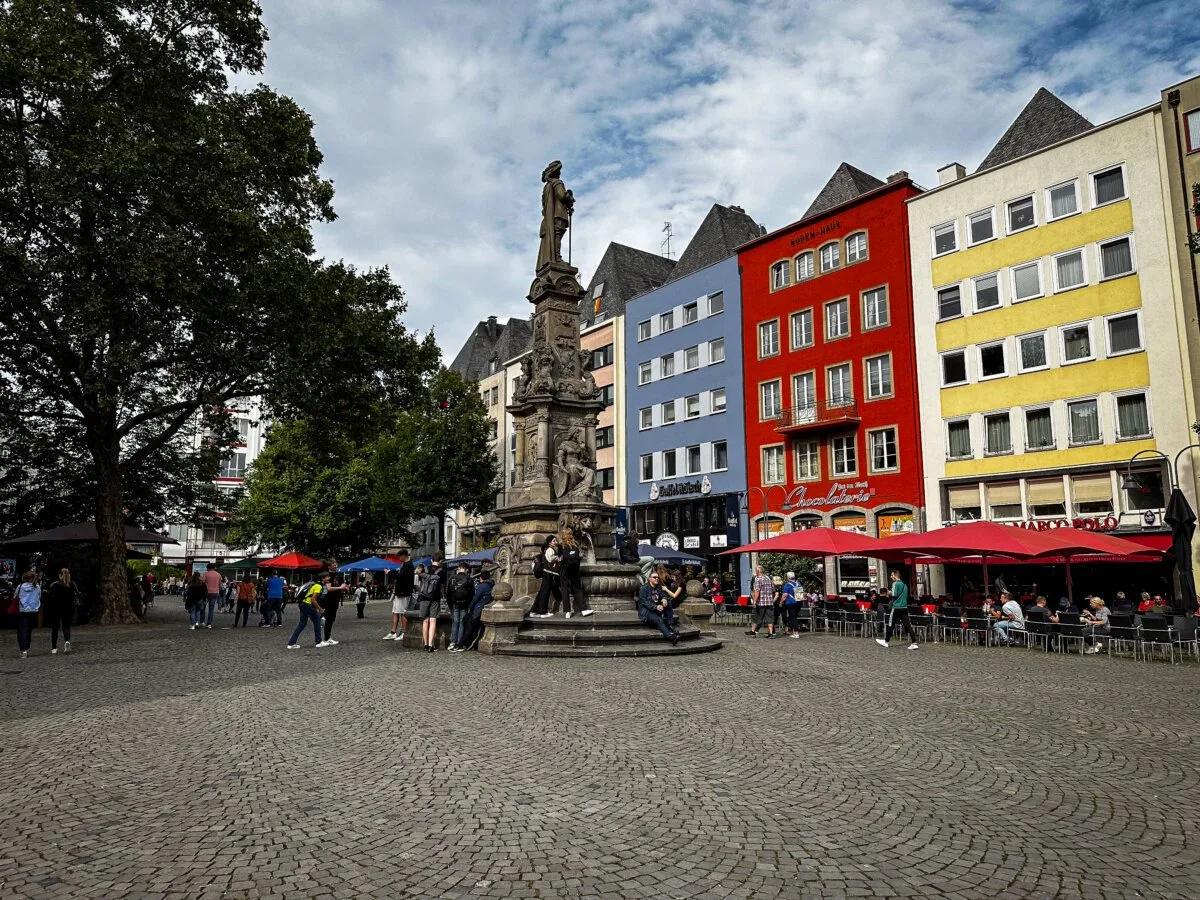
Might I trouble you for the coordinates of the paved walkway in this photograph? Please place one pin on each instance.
(160, 762)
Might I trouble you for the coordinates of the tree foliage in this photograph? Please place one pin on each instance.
(782, 563)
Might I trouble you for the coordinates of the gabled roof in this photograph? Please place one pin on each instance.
(623, 273)
(492, 341)
(1045, 120)
(844, 185)
(723, 230)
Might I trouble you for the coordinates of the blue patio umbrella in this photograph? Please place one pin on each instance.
(370, 564)
(479, 557)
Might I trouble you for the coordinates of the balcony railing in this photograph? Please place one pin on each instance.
(830, 414)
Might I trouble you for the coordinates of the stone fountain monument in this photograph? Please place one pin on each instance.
(556, 407)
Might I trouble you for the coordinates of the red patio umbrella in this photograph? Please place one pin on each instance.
(292, 560)
(817, 542)
(1077, 541)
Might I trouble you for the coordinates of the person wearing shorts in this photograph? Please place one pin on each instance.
(401, 597)
(430, 597)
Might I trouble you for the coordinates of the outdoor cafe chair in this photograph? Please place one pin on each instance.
(1157, 634)
(854, 620)
(1122, 632)
(978, 627)
(950, 623)
(833, 617)
(1069, 631)
(924, 625)
(1038, 630)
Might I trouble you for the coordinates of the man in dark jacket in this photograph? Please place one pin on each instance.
(654, 608)
(402, 596)
(460, 591)
(483, 596)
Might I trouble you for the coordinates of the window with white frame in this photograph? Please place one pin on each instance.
(945, 238)
(808, 460)
(643, 330)
(773, 465)
(645, 372)
(831, 256)
(992, 361)
(770, 400)
(1031, 352)
(875, 308)
(645, 418)
(837, 319)
(1069, 271)
(666, 321)
(1124, 333)
(1191, 127)
(691, 359)
(1039, 429)
(1077, 343)
(768, 339)
(1027, 281)
(691, 406)
(666, 365)
(718, 400)
(804, 266)
(692, 456)
(1062, 200)
(840, 389)
(987, 292)
(1133, 416)
(856, 247)
(1021, 214)
(958, 439)
(981, 226)
(997, 434)
(234, 466)
(843, 456)
(949, 302)
(1083, 422)
(1108, 186)
(646, 466)
(1092, 495)
(670, 466)
(954, 368)
(885, 455)
(720, 455)
(802, 329)
(779, 275)
(804, 391)
(716, 351)
(691, 312)
(666, 414)
(1004, 501)
(1116, 258)
(716, 303)
(879, 376)
(1046, 498)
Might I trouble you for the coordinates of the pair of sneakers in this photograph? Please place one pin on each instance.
(66, 648)
(391, 636)
(454, 648)
(882, 643)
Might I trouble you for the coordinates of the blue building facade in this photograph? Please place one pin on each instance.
(685, 447)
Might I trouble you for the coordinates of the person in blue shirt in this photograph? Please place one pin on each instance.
(272, 614)
(29, 601)
(791, 606)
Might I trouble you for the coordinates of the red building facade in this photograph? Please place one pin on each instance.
(832, 432)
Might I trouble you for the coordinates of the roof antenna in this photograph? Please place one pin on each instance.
(665, 246)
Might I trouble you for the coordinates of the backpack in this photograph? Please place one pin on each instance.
(539, 566)
(429, 586)
(462, 589)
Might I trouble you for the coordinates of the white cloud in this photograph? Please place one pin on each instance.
(437, 118)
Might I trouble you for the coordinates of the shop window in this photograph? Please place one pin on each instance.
(894, 521)
(1046, 498)
(1004, 501)
(963, 502)
(854, 573)
(1144, 491)
(1091, 495)
(805, 522)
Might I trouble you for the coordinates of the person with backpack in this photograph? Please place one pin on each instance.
(28, 602)
(429, 604)
(481, 598)
(360, 598)
(308, 602)
(460, 591)
(61, 598)
(572, 583)
(546, 567)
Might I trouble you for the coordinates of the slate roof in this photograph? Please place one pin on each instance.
(624, 273)
(1045, 120)
(844, 185)
(723, 230)
(490, 340)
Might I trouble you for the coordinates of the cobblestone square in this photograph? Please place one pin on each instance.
(160, 762)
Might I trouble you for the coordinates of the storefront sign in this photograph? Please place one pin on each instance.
(681, 488)
(805, 236)
(1108, 523)
(718, 540)
(691, 543)
(668, 540)
(840, 494)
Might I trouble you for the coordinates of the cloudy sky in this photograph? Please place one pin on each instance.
(436, 118)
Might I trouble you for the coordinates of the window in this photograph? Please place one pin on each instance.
(646, 463)
(607, 393)
(1092, 494)
(1116, 258)
(1039, 429)
(837, 319)
(720, 451)
(691, 407)
(666, 365)
(691, 312)
(716, 303)
(949, 302)
(992, 363)
(875, 308)
(779, 275)
(670, 464)
(768, 339)
(808, 460)
(1046, 498)
(1027, 281)
(691, 359)
(1191, 125)
(1068, 271)
(802, 329)
(643, 332)
(987, 292)
(645, 373)
(958, 439)
(243, 424)
(997, 434)
(844, 456)
(831, 256)
(1062, 200)
(601, 357)
(954, 368)
(234, 466)
(770, 400)
(718, 400)
(804, 392)
(1124, 333)
(773, 465)
(666, 322)
(841, 391)
(645, 418)
(804, 266)
(607, 478)
(1020, 215)
(963, 501)
(1083, 421)
(493, 429)
(667, 412)
(1147, 493)
(496, 390)
(856, 247)
(716, 351)
(945, 238)
(604, 437)
(884, 454)
(980, 227)
(1004, 500)
(1031, 352)
(1133, 416)
(879, 377)
(1077, 343)
(1108, 186)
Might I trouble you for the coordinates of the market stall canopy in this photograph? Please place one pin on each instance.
(477, 558)
(86, 532)
(820, 542)
(241, 565)
(666, 555)
(291, 561)
(370, 564)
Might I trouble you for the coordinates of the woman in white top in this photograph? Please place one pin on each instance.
(547, 567)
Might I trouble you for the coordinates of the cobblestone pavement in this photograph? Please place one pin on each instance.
(160, 762)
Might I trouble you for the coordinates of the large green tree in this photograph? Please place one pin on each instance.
(156, 259)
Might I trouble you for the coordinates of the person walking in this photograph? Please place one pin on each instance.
(29, 601)
(545, 567)
(571, 582)
(791, 606)
(332, 602)
(460, 591)
(762, 593)
(212, 586)
(194, 596)
(61, 598)
(272, 608)
(245, 599)
(308, 602)
(654, 608)
(898, 614)
(402, 597)
(360, 599)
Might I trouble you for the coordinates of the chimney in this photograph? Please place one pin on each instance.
(951, 172)
(492, 327)
(737, 209)
(897, 176)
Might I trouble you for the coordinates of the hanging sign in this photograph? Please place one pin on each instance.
(840, 494)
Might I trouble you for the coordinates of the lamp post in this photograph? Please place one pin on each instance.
(1131, 483)
(765, 494)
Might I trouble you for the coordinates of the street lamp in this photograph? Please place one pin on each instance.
(1131, 483)
(765, 493)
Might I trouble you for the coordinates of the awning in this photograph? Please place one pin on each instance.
(85, 532)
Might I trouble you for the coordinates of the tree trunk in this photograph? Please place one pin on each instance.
(110, 528)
